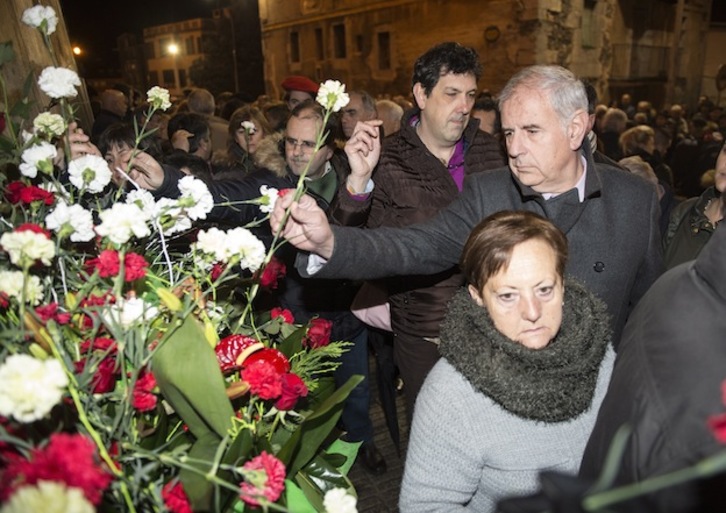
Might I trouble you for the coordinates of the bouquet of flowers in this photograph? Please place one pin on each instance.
(133, 375)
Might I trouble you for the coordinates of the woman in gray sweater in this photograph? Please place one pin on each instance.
(526, 363)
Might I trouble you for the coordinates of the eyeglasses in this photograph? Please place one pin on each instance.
(304, 145)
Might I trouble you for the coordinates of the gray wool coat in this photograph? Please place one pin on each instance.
(614, 238)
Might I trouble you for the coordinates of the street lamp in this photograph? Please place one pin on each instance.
(77, 50)
(173, 49)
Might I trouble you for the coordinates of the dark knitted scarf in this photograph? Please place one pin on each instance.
(552, 384)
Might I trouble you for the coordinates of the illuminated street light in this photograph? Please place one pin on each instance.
(77, 50)
(173, 49)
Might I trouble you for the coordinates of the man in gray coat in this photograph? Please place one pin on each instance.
(609, 216)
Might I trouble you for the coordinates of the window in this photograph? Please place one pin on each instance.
(384, 50)
(153, 77)
(294, 47)
(164, 43)
(168, 78)
(339, 49)
(319, 44)
(190, 46)
(182, 78)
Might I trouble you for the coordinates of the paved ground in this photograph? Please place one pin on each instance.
(379, 494)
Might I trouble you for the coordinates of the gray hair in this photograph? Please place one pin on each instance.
(566, 92)
(201, 101)
(369, 103)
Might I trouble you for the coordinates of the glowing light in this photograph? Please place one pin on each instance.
(173, 48)
(77, 50)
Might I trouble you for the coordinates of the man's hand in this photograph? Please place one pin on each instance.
(180, 140)
(307, 227)
(79, 143)
(143, 169)
(363, 150)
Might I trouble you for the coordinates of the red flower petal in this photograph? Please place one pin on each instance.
(231, 347)
(272, 356)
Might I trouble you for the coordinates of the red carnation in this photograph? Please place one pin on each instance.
(284, 192)
(50, 312)
(18, 192)
(282, 313)
(274, 484)
(293, 388)
(217, 271)
(274, 271)
(175, 498)
(104, 379)
(68, 459)
(94, 301)
(134, 267)
(32, 227)
(107, 264)
(264, 379)
(143, 397)
(318, 334)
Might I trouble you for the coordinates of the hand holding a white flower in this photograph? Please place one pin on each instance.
(143, 169)
(363, 150)
(307, 227)
(79, 143)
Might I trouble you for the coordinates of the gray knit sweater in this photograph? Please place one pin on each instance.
(466, 451)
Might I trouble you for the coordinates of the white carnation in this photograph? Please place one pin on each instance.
(142, 199)
(158, 97)
(89, 172)
(122, 221)
(59, 82)
(41, 17)
(73, 220)
(130, 312)
(29, 388)
(171, 216)
(26, 247)
(249, 127)
(243, 244)
(48, 497)
(338, 500)
(37, 157)
(332, 95)
(195, 198)
(11, 284)
(213, 242)
(268, 199)
(49, 124)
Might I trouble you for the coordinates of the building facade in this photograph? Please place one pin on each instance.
(172, 49)
(649, 48)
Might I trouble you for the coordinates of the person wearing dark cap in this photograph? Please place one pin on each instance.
(298, 88)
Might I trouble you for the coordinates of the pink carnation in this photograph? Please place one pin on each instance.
(273, 485)
(265, 381)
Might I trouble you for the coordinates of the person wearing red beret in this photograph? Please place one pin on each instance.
(299, 88)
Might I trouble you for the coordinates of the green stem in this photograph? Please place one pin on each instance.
(710, 466)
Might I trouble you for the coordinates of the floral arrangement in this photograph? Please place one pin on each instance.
(133, 376)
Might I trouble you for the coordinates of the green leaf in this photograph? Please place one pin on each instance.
(6, 52)
(297, 501)
(310, 435)
(293, 342)
(27, 86)
(21, 109)
(346, 450)
(188, 375)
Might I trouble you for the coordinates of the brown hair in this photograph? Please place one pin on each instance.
(490, 244)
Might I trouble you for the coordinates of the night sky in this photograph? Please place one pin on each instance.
(94, 25)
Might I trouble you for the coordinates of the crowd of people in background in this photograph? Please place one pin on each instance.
(633, 189)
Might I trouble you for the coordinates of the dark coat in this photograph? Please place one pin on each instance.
(412, 185)
(615, 243)
(667, 382)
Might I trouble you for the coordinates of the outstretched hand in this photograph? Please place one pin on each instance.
(363, 150)
(144, 170)
(79, 143)
(307, 227)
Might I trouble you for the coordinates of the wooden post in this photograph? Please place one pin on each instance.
(31, 56)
